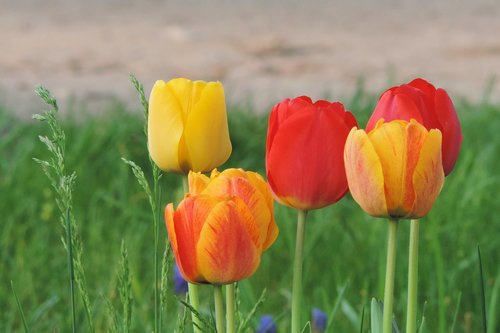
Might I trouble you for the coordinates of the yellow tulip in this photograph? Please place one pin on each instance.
(187, 125)
(396, 169)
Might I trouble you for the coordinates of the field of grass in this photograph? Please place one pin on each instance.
(344, 248)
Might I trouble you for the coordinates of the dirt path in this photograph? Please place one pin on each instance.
(263, 51)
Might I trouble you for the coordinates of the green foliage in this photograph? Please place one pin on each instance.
(341, 244)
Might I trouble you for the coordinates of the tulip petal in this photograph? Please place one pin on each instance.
(197, 182)
(364, 173)
(398, 145)
(206, 134)
(184, 230)
(233, 182)
(165, 126)
(428, 177)
(450, 128)
(226, 249)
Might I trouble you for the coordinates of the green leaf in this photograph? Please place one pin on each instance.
(376, 316)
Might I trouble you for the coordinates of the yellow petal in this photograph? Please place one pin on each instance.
(197, 182)
(226, 252)
(428, 177)
(206, 133)
(364, 173)
(165, 127)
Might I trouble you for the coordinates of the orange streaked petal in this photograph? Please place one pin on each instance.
(226, 250)
(364, 173)
(189, 219)
(241, 187)
(428, 177)
(398, 144)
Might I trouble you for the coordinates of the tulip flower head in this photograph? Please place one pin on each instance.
(304, 152)
(187, 125)
(222, 226)
(318, 320)
(266, 325)
(396, 169)
(431, 107)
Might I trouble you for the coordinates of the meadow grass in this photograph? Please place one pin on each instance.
(344, 248)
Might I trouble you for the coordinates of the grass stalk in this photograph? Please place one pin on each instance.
(297, 271)
(71, 268)
(389, 276)
(411, 315)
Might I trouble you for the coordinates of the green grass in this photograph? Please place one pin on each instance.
(342, 245)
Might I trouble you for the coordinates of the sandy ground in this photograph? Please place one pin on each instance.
(263, 51)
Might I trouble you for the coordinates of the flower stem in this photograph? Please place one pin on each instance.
(230, 308)
(193, 288)
(389, 276)
(219, 309)
(195, 303)
(297, 271)
(411, 316)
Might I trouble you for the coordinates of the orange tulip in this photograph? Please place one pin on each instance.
(222, 226)
(396, 169)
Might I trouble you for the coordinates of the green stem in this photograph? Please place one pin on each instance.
(69, 243)
(219, 309)
(230, 308)
(194, 299)
(297, 271)
(389, 276)
(411, 315)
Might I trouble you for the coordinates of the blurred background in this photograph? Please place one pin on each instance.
(263, 51)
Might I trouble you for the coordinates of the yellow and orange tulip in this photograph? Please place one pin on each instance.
(187, 125)
(396, 169)
(222, 226)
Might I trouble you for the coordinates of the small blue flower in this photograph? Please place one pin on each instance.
(180, 285)
(266, 325)
(318, 320)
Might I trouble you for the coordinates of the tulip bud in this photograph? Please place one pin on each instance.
(396, 169)
(187, 125)
(304, 152)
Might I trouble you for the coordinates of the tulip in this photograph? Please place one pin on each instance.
(221, 227)
(431, 107)
(305, 143)
(187, 125)
(396, 169)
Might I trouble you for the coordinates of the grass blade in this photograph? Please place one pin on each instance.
(493, 305)
(21, 312)
(336, 306)
(456, 312)
(483, 298)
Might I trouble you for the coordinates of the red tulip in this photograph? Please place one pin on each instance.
(431, 107)
(304, 152)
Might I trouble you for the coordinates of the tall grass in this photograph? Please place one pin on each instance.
(343, 246)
